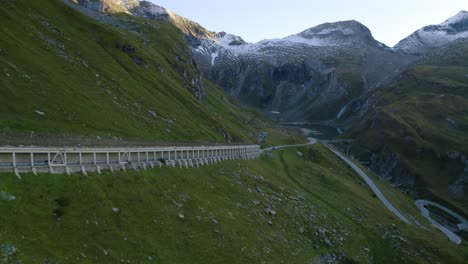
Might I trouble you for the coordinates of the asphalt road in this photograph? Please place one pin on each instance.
(312, 141)
(361, 173)
(421, 204)
(371, 184)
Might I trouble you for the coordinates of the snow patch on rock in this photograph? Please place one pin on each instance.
(435, 36)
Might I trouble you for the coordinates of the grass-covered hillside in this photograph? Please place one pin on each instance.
(80, 78)
(417, 129)
(65, 73)
(286, 208)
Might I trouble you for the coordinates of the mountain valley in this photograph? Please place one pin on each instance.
(129, 73)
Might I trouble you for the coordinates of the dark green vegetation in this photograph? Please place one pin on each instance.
(423, 116)
(62, 72)
(279, 209)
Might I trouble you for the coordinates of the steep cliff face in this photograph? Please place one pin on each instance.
(294, 90)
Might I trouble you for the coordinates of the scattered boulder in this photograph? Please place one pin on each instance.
(271, 212)
(328, 242)
(39, 112)
(177, 204)
(262, 136)
(300, 154)
(330, 258)
(4, 196)
(300, 197)
(228, 137)
(301, 229)
(181, 216)
(115, 209)
(8, 253)
(137, 60)
(153, 113)
(127, 48)
(260, 178)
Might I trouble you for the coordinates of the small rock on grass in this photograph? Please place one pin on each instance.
(39, 112)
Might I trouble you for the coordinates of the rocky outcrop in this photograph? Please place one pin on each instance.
(148, 10)
(109, 6)
(388, 166)
(457, 189)
(294, 89)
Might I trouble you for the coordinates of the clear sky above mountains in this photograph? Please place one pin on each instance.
(254, 20)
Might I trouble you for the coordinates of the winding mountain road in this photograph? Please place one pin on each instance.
(312, 141)
(371, 184)
(361, 173)
(421, 204)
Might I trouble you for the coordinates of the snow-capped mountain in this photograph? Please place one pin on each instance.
(342, 34)
(345, 33)
(298, 75)
(435, 36)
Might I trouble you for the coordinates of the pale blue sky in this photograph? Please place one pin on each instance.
(254, 20)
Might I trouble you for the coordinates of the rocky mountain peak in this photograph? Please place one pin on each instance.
(229, 39)
(343, 33)
(109, 6)
(345, 28)
(435, 36)
(148, 10)
(461, 18)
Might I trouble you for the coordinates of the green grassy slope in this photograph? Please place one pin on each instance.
(422, 117)
(62, 72)
(322, 209)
